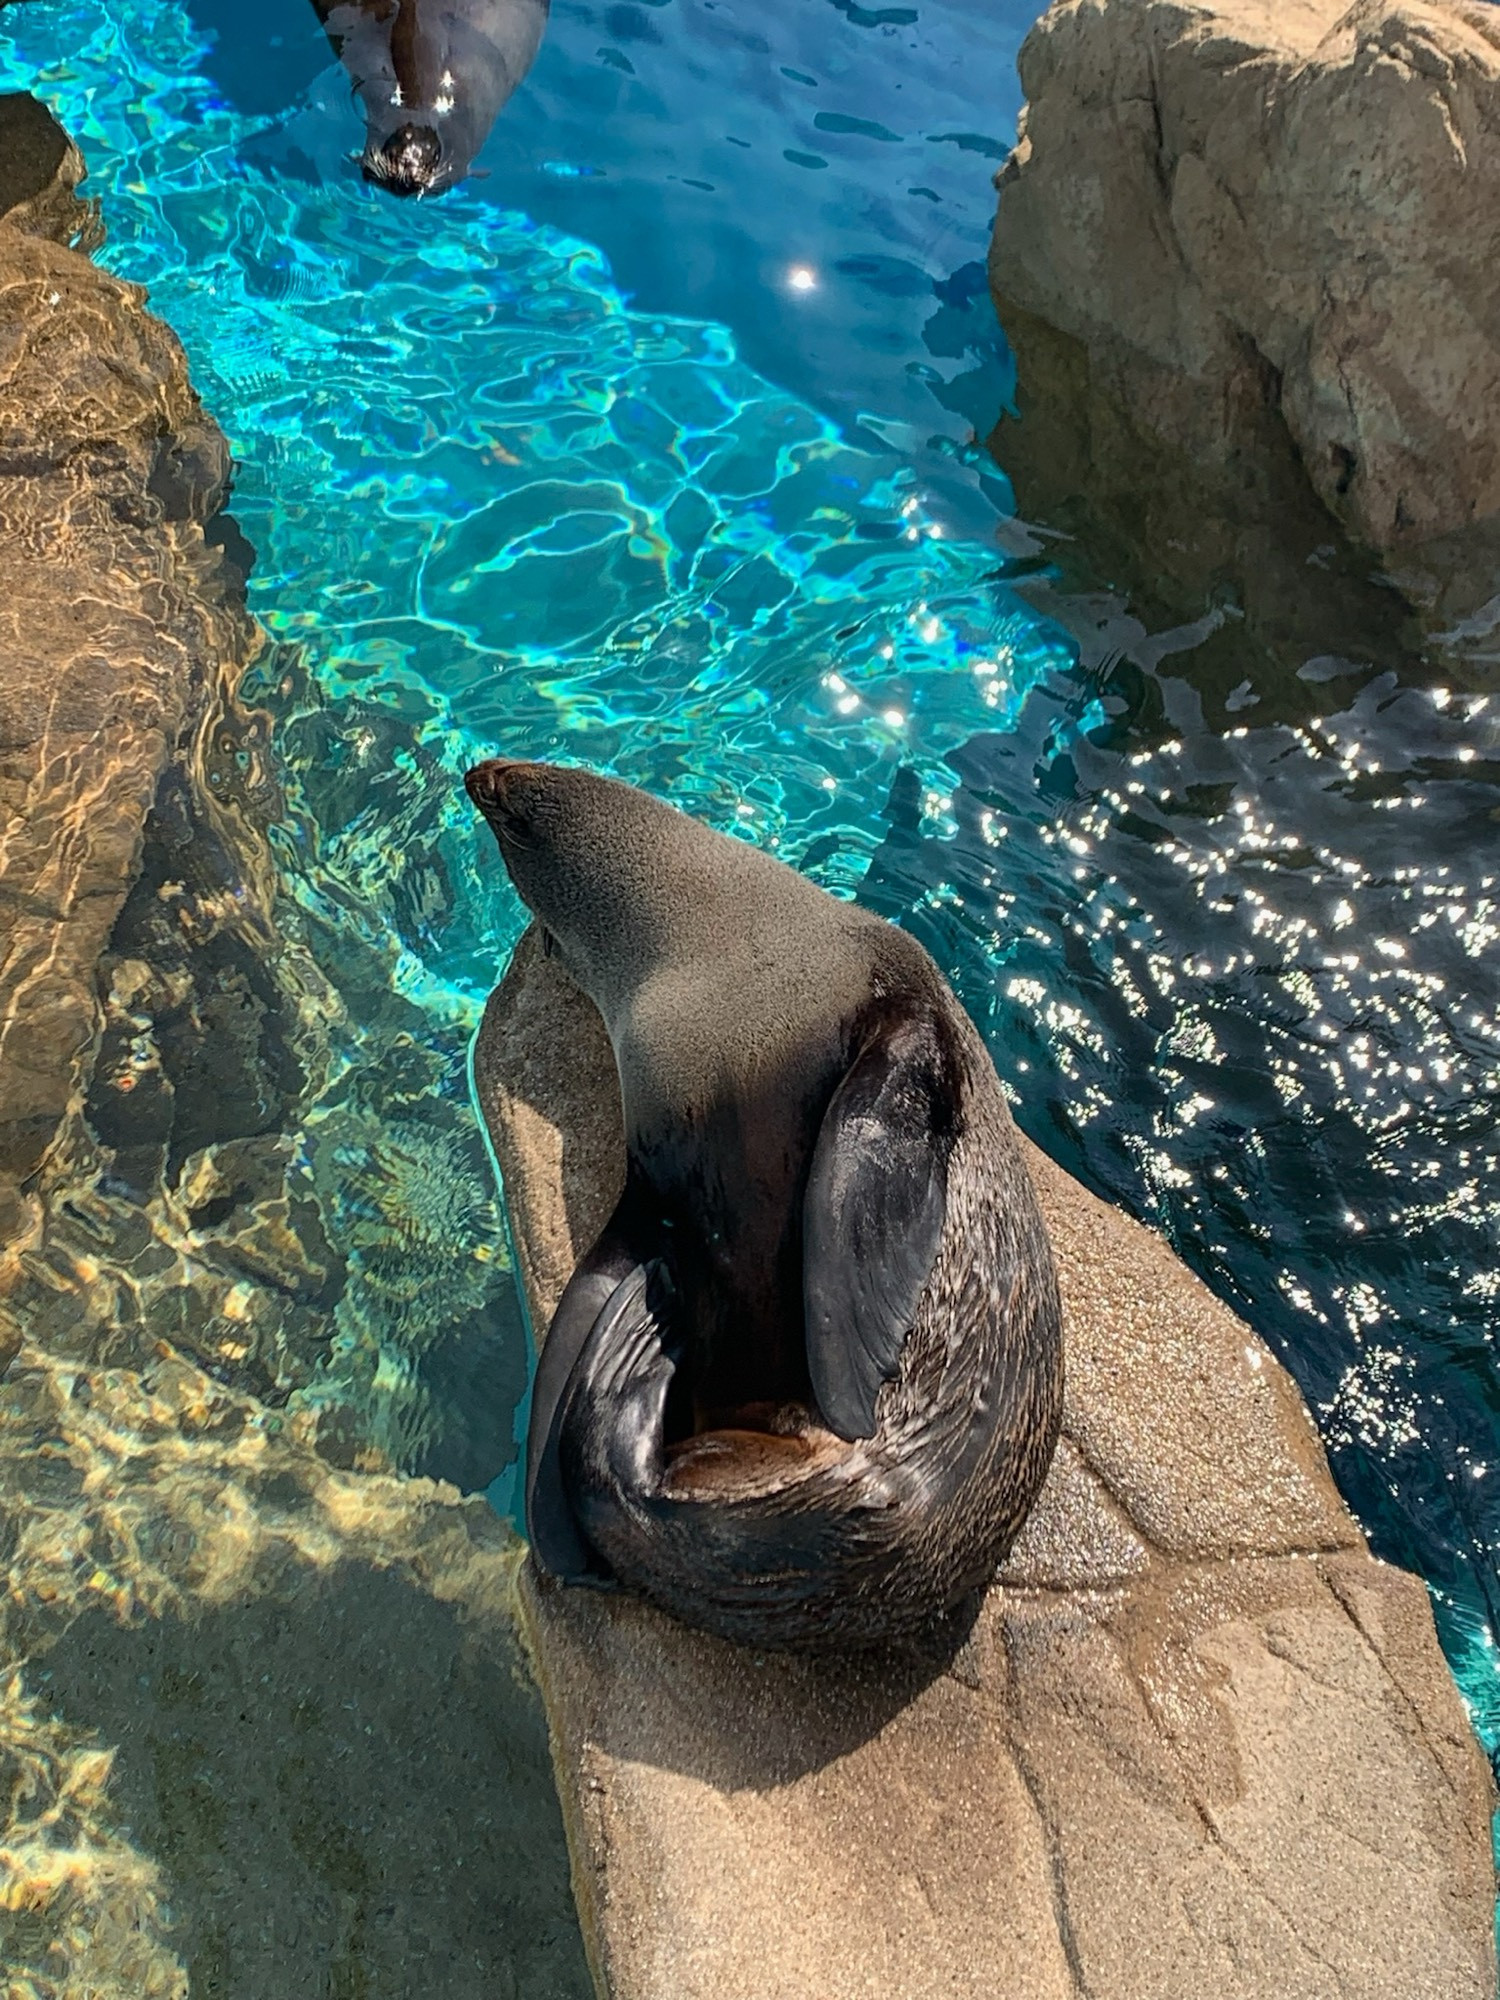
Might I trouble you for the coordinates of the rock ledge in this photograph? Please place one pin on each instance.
(1198, 1740)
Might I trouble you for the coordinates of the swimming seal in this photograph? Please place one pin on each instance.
(432, 77)
(806, 1385)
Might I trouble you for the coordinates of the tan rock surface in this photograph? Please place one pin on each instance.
(1276, 208)
(1197, 1741)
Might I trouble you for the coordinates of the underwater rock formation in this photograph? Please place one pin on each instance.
(273, 1733)
(1234, 567)
(1197, 1740)
(150, 1011)
(119, 626)
(1272, 230)
(265, 1724)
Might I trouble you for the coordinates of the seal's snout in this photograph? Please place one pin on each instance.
(409, 162)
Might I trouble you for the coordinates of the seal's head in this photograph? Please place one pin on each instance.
(530, 808)
(608, 871)
(410, 161)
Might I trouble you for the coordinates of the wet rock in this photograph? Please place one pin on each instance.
(119, 637)
(40, 169)
(205, 1136)
(1197, 1740)
(1233, 566)
(1271, 233)
(264, 1720)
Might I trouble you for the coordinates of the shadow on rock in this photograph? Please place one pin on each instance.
(782, 1716)
(341, 1783)
(1234, 567)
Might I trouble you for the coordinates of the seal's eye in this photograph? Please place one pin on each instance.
(409, 162)
(499, 790)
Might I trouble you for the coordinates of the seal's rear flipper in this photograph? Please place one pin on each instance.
(598, 1284)
(873, 1216)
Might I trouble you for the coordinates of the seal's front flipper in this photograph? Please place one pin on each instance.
(615, 1260)
(873, 1216)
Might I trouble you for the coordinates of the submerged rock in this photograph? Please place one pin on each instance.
(1265, 231)
(219, 1125)
(274, 1732)
(150, 1008)
(1197, 1740)
(265, 1724)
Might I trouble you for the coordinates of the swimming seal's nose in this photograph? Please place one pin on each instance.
(485, 784)
(409, 162)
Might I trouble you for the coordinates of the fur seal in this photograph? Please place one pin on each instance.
(806, 1385)
(432, 76)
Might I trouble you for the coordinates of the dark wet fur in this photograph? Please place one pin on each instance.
(886, 1535)
(431, 77)
(758, 1521)
(407, 163)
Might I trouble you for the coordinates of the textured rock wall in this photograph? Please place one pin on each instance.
(1198, 1740)
(121, 632)
(1263, 222)
(219, 1124)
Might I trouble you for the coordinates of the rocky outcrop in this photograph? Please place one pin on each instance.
(1271, 225)
(1197, 1740)
(119, 628)
(216, 1127)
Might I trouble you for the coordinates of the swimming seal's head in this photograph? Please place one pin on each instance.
(410, 161)
(431, 76)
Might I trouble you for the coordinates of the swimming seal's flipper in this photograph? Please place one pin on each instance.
(873, 1216)
(621, 1254)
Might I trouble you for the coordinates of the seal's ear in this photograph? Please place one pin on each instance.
(551, 1525)
(873, 1215)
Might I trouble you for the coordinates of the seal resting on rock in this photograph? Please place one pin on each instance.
(432, 77)
(806, 1385)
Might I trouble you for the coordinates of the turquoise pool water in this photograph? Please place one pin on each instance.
(654, 449)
